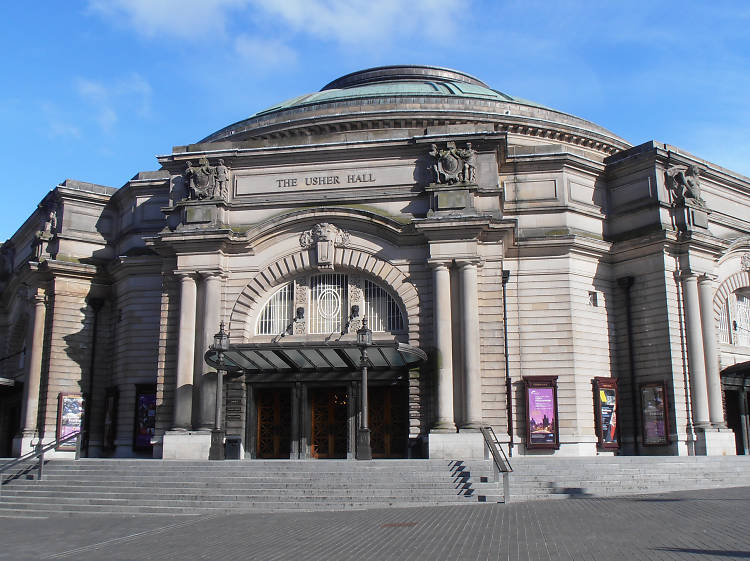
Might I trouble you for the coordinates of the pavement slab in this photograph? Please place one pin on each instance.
(701, 525)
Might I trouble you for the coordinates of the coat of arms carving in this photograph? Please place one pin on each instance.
(452, 164)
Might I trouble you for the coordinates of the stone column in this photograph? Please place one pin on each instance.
(183, 395)
(209, 327)
(708, 325)
(443, 346)
(696, 360)
(34, 371)
(470, 340)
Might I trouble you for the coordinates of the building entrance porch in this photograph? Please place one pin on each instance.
(318, 420)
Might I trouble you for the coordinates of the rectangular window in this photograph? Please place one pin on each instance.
(328, 303)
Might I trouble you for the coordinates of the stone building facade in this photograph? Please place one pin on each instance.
(494, 245)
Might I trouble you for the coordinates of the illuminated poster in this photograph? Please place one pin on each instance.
(654, 414)
(541, 408)
(69, 417)
(605, 399)
(145, 417)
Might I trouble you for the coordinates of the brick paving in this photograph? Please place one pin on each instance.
(700, 525)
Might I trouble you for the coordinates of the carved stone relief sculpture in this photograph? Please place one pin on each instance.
(684, 183)
(452, 164)
(205, 181)
(745, 262)
(324, 238)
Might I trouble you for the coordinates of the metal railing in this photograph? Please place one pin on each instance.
(37, 454)
(501, 462)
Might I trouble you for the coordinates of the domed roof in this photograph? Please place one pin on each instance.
(429, 93)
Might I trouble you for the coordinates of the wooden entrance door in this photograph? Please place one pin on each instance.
(388, 419)
(329, 422)
(274, 423)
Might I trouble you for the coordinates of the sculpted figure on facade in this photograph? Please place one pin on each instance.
(324, 237)
(745, 262)
(222, 180)
(685, 184)
(205, 181)
(452, 164)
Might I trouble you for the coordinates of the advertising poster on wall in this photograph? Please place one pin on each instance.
(145, 417)
(605, 404)
(654, 414)
(69, 418)
(541, 412)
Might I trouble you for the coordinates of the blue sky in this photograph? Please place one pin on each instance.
(93, 90)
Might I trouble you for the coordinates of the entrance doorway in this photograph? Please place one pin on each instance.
(389, 421)
(737, 407)
(329, 410)
(274, 430)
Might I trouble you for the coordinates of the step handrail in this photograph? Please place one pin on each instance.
(501, 460)
(498, 454)
(39, 453)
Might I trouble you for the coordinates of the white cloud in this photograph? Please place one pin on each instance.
(264, 54)
(57, 125)
(198, 20)
(131, 93)
(350, 22)
(357, 21)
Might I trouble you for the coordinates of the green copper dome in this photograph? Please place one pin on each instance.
(402, 99)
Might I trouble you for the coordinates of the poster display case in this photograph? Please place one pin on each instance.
(69, 418)
(541, 412)
(606, 411)
(145, 417)
(654, 414)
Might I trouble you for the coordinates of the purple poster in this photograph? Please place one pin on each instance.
(542, 415)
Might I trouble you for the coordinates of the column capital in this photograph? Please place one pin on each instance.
(184, 275)
(211, 274)
(439, 263)
(707, 278)
(685, 275)
(464, 262)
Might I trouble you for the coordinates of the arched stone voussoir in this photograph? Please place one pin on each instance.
(299, 263)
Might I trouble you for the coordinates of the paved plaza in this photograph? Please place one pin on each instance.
(700, 525)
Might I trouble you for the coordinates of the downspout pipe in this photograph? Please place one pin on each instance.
(626, 283)
(96, 305)
(508, 384)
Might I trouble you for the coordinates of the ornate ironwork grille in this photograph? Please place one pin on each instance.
(328, 303)
(381, 309)
(328, 307)
(734, 320)
(277, 314)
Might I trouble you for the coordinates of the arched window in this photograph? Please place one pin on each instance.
(331, 298)
(277, 314)
(734, 320)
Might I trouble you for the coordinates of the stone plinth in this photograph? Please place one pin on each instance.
(715, 442)
(186, 445)
(464, 445)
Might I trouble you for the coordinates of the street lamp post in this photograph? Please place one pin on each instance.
(364, 340)
(221, 345)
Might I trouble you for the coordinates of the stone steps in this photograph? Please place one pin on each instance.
(159, 487)
(547, 478)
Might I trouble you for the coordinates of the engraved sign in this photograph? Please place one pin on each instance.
(314, 178)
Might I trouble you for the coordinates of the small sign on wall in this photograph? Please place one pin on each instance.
(69, 418)
(605, 408)
(541, 412)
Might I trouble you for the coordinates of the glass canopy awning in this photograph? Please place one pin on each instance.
(298, 356)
